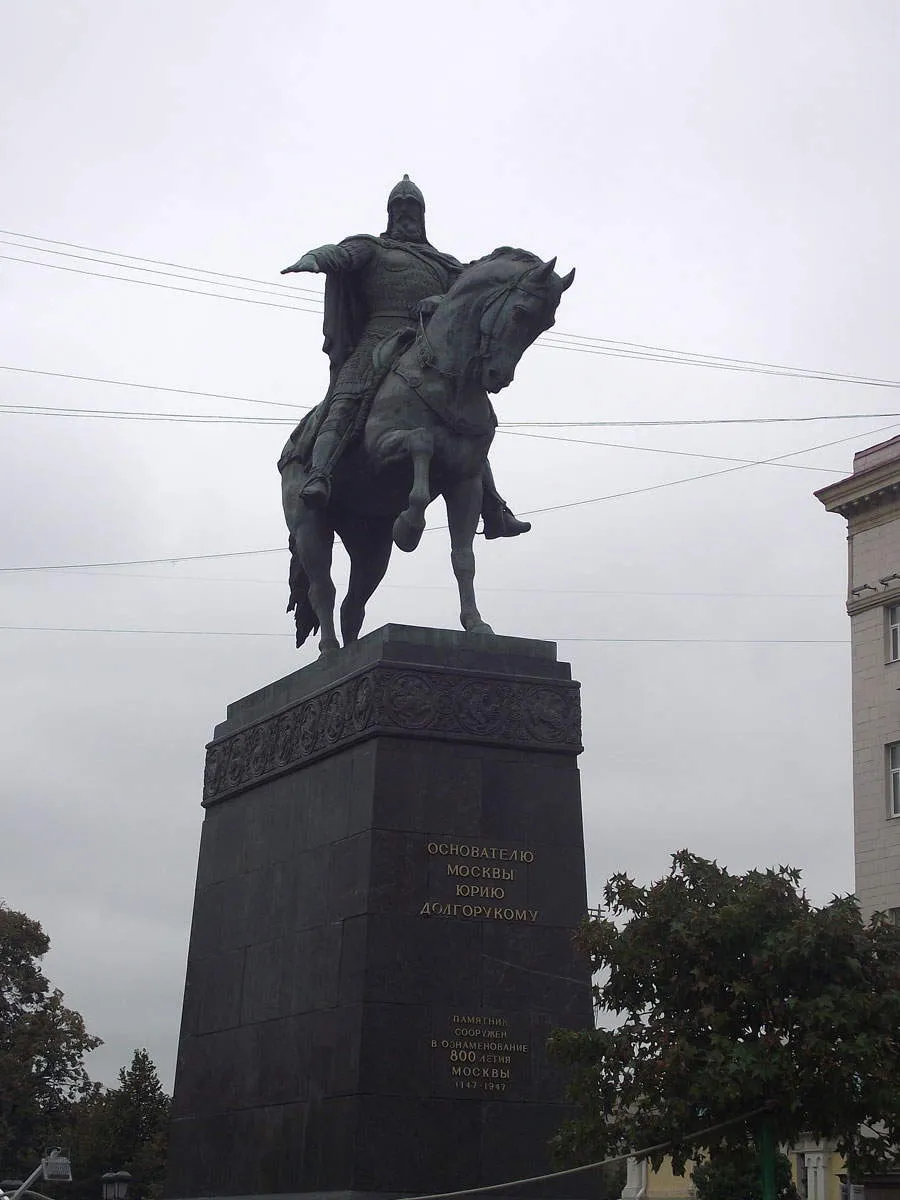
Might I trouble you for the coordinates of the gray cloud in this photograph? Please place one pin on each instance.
(723, 177)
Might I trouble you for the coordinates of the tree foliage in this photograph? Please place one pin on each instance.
(42, 1047)
(736, 1175)
(122, 1129)
(733, 994)
(46, 1097)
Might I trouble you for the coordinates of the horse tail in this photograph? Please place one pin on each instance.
(304, 618)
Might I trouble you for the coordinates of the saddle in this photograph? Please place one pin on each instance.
(386, 354)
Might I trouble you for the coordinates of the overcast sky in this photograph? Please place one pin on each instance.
(724, 178)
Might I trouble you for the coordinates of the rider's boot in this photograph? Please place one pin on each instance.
(499, 519)
(316, 492)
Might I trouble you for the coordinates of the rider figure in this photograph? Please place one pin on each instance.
(374, 287)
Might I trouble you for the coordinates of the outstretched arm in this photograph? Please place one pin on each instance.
(348, 255)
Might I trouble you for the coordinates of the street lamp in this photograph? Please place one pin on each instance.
(115, 1185)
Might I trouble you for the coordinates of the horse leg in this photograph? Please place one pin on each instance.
(305, 619)
(463, 510)
(368, 542)
(314, 539)
(419, 444)
(297, 519)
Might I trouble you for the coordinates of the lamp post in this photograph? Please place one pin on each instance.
(114, 1185)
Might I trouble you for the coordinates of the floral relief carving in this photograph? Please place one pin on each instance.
(417, 702)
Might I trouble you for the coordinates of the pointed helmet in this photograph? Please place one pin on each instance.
(406, 190)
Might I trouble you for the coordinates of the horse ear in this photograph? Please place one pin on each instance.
(542, 273)
(566, 280)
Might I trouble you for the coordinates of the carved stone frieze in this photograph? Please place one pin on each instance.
(417, 702)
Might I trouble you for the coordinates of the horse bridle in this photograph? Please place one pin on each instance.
(426, 352)
(502, 293)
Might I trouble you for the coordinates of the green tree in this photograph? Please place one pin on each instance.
(736, 1176)
(732, 994)
(42, 1047)
(122, 1129)
(139, 1123)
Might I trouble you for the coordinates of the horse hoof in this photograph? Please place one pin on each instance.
(408, 532)
(328, 647)
(478, 626)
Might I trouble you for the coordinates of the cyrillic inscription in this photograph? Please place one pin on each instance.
(480, 912)
(497, 887)
(461, 850)
(476, 872)
(481, 1053)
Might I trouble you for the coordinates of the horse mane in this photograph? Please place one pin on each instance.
(512, 252)
(458, 313)
(477, 273)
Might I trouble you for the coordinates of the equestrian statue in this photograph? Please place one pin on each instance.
(416, 341)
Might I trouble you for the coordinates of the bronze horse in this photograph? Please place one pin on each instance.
(431, 420)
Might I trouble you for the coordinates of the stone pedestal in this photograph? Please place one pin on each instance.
(391, 868)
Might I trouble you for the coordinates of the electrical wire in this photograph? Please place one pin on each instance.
(121, 414)
(670, 422)
(159, 262)
(268, 289)
(36, 410)
(655, 487)
(659, 1148)
(549, 437)
(450, 586)
(643, 641)
(156, 387)
(578, 342)
(169, 287)
(141, 562)
(506, 425)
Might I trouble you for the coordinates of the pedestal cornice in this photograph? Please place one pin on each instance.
(396, 698)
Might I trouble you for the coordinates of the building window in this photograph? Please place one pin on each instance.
(894, 779)
(893, 632)
(893, 915)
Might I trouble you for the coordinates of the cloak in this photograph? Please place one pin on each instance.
(345, 309)
(346, 316)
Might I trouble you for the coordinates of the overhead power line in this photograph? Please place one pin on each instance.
(611, 424)
(123, 414)
(160, 262)
(570, 341)
(169, 287)
(36, 410)
(669, 422)
(256, 634)
(750, 462)
(268, 289)
(654, 487)
(450, 587)
(157, 387)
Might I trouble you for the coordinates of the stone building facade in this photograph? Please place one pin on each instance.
(869, 500)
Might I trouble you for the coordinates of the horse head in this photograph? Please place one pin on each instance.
(524, 309)
(494, 312)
